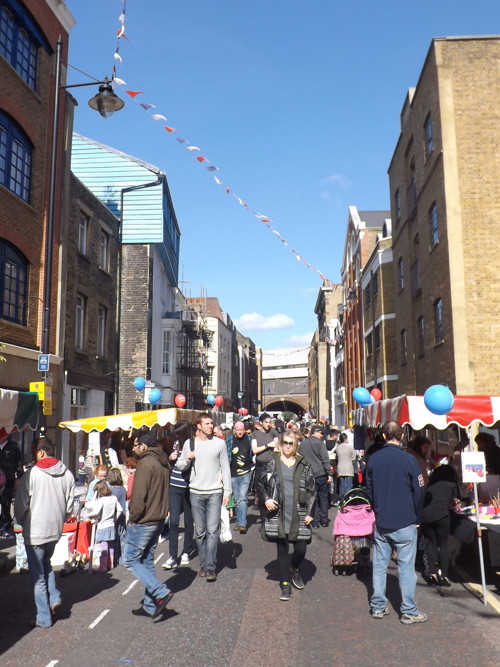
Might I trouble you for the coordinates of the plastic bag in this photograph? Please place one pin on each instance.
(225, 527)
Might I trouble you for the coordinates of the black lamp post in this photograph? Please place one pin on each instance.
(106, 103)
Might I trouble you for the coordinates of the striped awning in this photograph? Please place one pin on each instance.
(134, 420)
(18, 411)
(411, 410)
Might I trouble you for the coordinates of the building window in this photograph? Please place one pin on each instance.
(404, 347)
(83, 230)
(376, 337)
(104, 251)
(397, 205)
(375, 284)
(102, 321)
(210, 376)
(167, 352)
(420, 337)
(411, 196)
(401, 274)
(15, 158)
(368, 294)
(18, 47)
(78, 396)
(429, 140)
(80, 321)
(438, 321)
(13, 283)
(416, 286)
(433, 223)
(369, 345)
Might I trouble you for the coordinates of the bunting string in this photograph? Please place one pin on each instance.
(196, 150)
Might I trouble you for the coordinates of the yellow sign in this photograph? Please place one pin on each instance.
(38, 388)
(47, 403)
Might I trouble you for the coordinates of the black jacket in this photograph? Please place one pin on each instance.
(270, 486)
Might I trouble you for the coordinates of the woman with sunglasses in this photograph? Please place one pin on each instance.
(288, 490)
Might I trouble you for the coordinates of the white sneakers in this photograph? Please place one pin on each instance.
(172, 562)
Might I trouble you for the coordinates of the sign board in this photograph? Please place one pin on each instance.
(43, 362)
(47, 401)
(38, 388)
(94, 443)
(473, 467)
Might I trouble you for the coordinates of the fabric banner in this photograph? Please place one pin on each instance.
(18, 410)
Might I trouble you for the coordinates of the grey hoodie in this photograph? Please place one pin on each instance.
(44, 500)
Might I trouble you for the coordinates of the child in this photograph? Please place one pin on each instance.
(101, 474)
(106, 510)
(131, 465)
(118, 490)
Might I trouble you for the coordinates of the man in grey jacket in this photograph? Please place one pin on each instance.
(314, 450)
(44, 500)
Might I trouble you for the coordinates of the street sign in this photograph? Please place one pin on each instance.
(43, 362)
(39, 388)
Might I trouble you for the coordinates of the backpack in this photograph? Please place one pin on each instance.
(343, 551)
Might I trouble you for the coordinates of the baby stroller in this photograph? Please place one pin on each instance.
(352, 531)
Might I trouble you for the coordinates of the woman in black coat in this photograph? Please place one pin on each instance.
(287, 488)
(439, 496)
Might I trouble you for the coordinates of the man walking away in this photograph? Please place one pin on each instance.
(396, 487)
(148, 508)
(345, 464)
(43, 502)
(11, 464)
(264, 442)
(314, 450)
(210, 487)
(240, 456)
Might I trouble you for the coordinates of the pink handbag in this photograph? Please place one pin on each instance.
(355, 521)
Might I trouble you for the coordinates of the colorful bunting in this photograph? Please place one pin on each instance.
(200, 158)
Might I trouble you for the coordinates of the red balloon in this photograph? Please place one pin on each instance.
(219, 400)
(376, 393)
(243, 412)
(180, 400)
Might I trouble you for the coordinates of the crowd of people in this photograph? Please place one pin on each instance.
(293, 472)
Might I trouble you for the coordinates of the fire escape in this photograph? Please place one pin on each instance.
(192, 353)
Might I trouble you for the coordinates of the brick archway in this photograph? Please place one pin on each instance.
(297, 404)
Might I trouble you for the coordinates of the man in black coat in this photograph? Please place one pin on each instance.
(314, 450)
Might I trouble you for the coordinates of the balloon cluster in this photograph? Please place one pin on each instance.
(243, 412)
(364, 397)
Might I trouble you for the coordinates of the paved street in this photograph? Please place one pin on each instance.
(239, 620)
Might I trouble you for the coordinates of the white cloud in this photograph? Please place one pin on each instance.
(256, 321)
(337, 179)
(302, 339)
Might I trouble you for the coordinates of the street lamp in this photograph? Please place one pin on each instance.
(106, 103)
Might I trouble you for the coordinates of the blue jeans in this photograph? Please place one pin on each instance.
(206, 515)
(139, 559)
(240, 486)
(345, 485)
(43, 579)
(404, 541)
(178, 499)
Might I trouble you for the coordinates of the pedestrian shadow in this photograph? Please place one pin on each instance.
(227, 555)
(183, 578)
(307, 570)
(18, 607)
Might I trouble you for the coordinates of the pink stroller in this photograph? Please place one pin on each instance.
(353, 531)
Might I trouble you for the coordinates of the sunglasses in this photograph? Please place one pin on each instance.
(288, 442)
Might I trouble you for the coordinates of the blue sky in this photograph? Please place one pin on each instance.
(297, 104)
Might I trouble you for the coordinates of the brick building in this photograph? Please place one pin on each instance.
(363, 230)
(91, 242)
(29, 31)
(379, 320)
(444, 183)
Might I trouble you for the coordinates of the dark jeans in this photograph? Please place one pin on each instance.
(179, 502)
(322, 499)
(436, 534)
(284, 560)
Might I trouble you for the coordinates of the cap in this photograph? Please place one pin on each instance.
(317, 429)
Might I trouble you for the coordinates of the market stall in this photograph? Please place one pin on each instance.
(18, 411)
(135, 420)
(467, 412)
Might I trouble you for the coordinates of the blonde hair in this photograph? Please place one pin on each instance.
(294, 437)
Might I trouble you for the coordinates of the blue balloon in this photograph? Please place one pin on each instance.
(139, 383)
(154, 396)
(210, 399)
(362, 396)
(438, 399)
